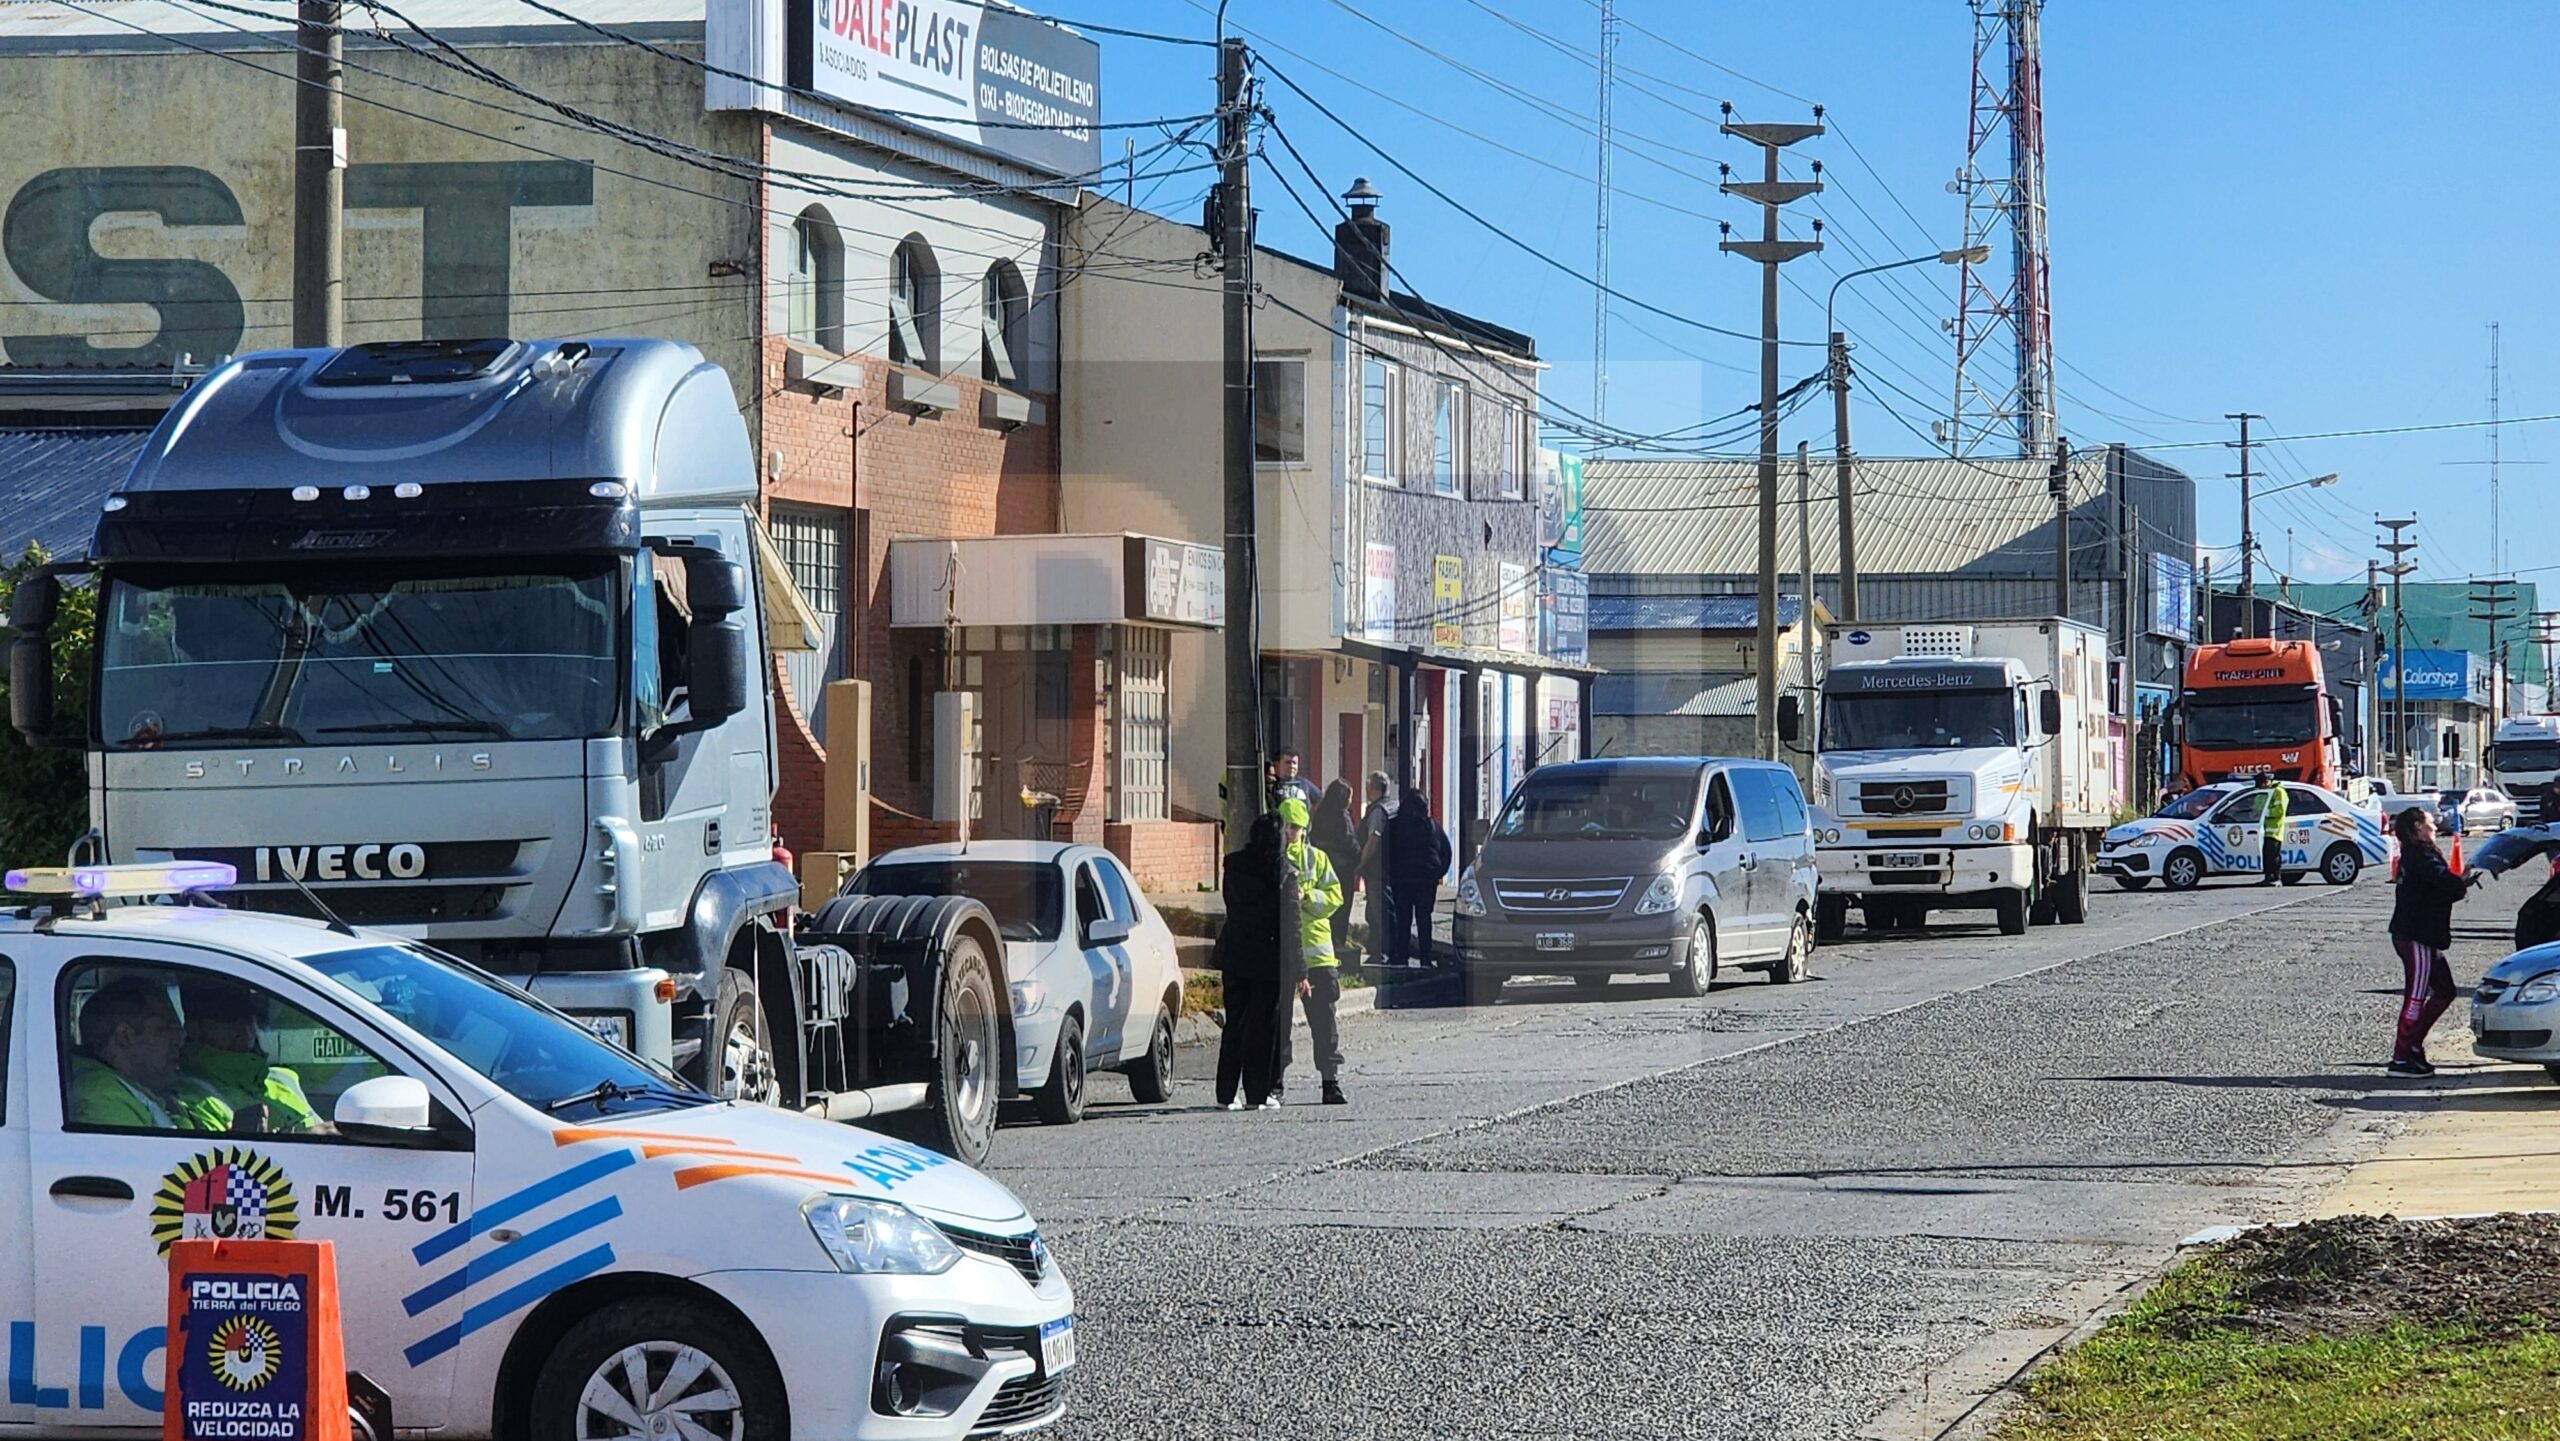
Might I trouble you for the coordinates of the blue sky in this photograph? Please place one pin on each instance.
(2309, 211)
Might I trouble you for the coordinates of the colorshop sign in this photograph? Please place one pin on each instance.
(2456, 675)
(995, 78)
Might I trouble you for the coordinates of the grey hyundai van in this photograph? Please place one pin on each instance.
(1679, 866)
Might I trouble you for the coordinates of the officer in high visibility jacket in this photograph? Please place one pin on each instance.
(2271, 825)
(225, 1062)
(1319, 896)
(125, 1073)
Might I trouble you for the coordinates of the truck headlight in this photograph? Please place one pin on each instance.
(878, 1238)
(1663, 895)
(1827, 836)
(1470, 896)
(2541, 989)
(613, 1027)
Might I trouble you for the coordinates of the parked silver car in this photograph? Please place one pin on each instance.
(1682, 866)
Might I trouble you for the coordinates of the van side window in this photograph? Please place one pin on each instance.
(1759, 805)
(1720, 813)
(1790, 803)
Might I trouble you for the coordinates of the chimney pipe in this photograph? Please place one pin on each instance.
(1360, 244)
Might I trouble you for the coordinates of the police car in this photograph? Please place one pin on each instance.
(2214, 831)
(536, 1233)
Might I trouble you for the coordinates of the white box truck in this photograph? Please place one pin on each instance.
(1959, 766)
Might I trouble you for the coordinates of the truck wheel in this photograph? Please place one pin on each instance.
(1697, 969)
(960, 1110)
(2011, 909)
(740, 1062)
(1061, 1101)
(2183, 870)
(1151, 1075)
(1796, 962)
(2071, 899)
(2341, 865)
(1830, 917)
(654, 1366)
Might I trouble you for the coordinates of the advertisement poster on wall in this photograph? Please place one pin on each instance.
(1564, 613)
(1378, 608)
(1560, 509)
(1448, 595)
(2173, 596)
(990, 76)
(1517, 600)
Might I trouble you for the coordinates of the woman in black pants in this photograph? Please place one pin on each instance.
(1249, 956)
(2422, 931)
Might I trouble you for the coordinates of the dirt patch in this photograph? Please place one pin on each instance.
(2356, 1275)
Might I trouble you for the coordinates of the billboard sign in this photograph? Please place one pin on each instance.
(2449, 675)
(1565, 629)
(1516, 603)
(1560, 509)
(2172, 610)
(999, 79)
(1448, 601)
(1378, 613)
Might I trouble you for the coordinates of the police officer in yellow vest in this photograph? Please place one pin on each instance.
(225, 1062)
(125, 1073)
(1319, 896)
(2272, 822)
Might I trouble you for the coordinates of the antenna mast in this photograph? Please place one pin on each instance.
(2005, 311)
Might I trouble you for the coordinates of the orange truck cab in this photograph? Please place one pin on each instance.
(2257, 707)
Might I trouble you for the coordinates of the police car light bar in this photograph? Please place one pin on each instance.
(165, 878)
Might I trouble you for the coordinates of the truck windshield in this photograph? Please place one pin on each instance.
(2526, 756)
(329, 655)
(531, 1051)
(1919, 720)
(1601, 806)
(1027, 899)
(2249, 716)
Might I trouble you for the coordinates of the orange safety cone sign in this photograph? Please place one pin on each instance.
(254, 1342)
(2457, 853)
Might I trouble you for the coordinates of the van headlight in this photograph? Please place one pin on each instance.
(1663, 895)
(878, 1238)
(1470, 895)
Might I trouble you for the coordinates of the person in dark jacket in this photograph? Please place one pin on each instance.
(2422, 931)
(1417, 859)
(1252, 955)
(1332, 833)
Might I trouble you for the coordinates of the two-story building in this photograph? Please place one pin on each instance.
(1418, 615)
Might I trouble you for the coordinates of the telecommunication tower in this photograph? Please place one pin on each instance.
(2004, 321)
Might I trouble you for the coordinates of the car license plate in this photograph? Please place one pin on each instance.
(1058, 1346)
(1555, 940)
(1899, 860)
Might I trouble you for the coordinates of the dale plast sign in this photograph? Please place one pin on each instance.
(999, 79)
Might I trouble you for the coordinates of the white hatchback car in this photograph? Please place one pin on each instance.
(1095, 978)
(535, 1233)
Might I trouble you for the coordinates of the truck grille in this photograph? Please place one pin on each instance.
(1561, 898)
(1022, 1253)
(1903, 798)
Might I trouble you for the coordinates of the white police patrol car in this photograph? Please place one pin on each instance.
(2215, 831)
(536, 1233)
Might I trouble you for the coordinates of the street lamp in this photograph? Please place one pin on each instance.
(1839, 371)
(2249, 546)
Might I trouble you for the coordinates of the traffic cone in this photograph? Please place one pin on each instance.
(2457, 853)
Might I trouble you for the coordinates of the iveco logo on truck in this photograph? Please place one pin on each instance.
(402, 862)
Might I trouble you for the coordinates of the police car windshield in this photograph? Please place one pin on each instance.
(533, 1052)
(2191, 805)
(326, 654)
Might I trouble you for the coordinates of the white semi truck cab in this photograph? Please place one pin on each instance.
(1959, 766)
(2525, 760)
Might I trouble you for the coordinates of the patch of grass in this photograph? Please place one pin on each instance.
(2187, 1362)
(1203, 992)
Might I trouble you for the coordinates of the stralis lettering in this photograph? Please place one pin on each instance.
(434, 764)
(404, 861)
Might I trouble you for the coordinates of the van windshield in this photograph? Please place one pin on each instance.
(1602, 806)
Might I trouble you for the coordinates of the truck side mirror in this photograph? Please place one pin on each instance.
(714, 586)
(717, 665)
(2049, 711)
(31, 612)
(1790, 718)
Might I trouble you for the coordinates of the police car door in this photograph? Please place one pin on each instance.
(2231, 837)
(108, 1199)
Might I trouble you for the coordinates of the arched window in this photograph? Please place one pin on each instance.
(915, 306)
(814, 282)
(1004, 325)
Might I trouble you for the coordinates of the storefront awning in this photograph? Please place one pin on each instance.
(789, 622)
(1056, 580)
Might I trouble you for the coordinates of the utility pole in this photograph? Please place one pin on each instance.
(319, 177)
(2057, 483)
(1235, 252)
(1804, 568)
(2372, 612)
(2136, 620)
(1600, 229)
(2400, 566)
(2248, 537)
(1848, 512)
(2494, 602)
(1770, 251)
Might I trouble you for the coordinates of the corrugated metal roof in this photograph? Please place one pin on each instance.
(1918, 516)
(40, 22)
(1673, 693)
(51, 482)
(1686, 612)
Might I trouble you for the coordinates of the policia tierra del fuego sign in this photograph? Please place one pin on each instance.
(986, 75)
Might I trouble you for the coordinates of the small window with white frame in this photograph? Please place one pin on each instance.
(1510, 468)
(1448, 437)
(1381, 414)
(1280, 409)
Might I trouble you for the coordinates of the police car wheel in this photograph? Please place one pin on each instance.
(2340, 866)
(655, 1366)
(2182, 871)
(1151, 1079)
(1061, 1101)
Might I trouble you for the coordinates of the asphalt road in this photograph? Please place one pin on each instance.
(1824, 1210)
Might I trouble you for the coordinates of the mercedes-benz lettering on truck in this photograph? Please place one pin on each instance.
(2257, 707)
(1959, 766)
(2525, 761)
(467, 640)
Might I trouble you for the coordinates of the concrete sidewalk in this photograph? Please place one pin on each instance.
(2484, 1136)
